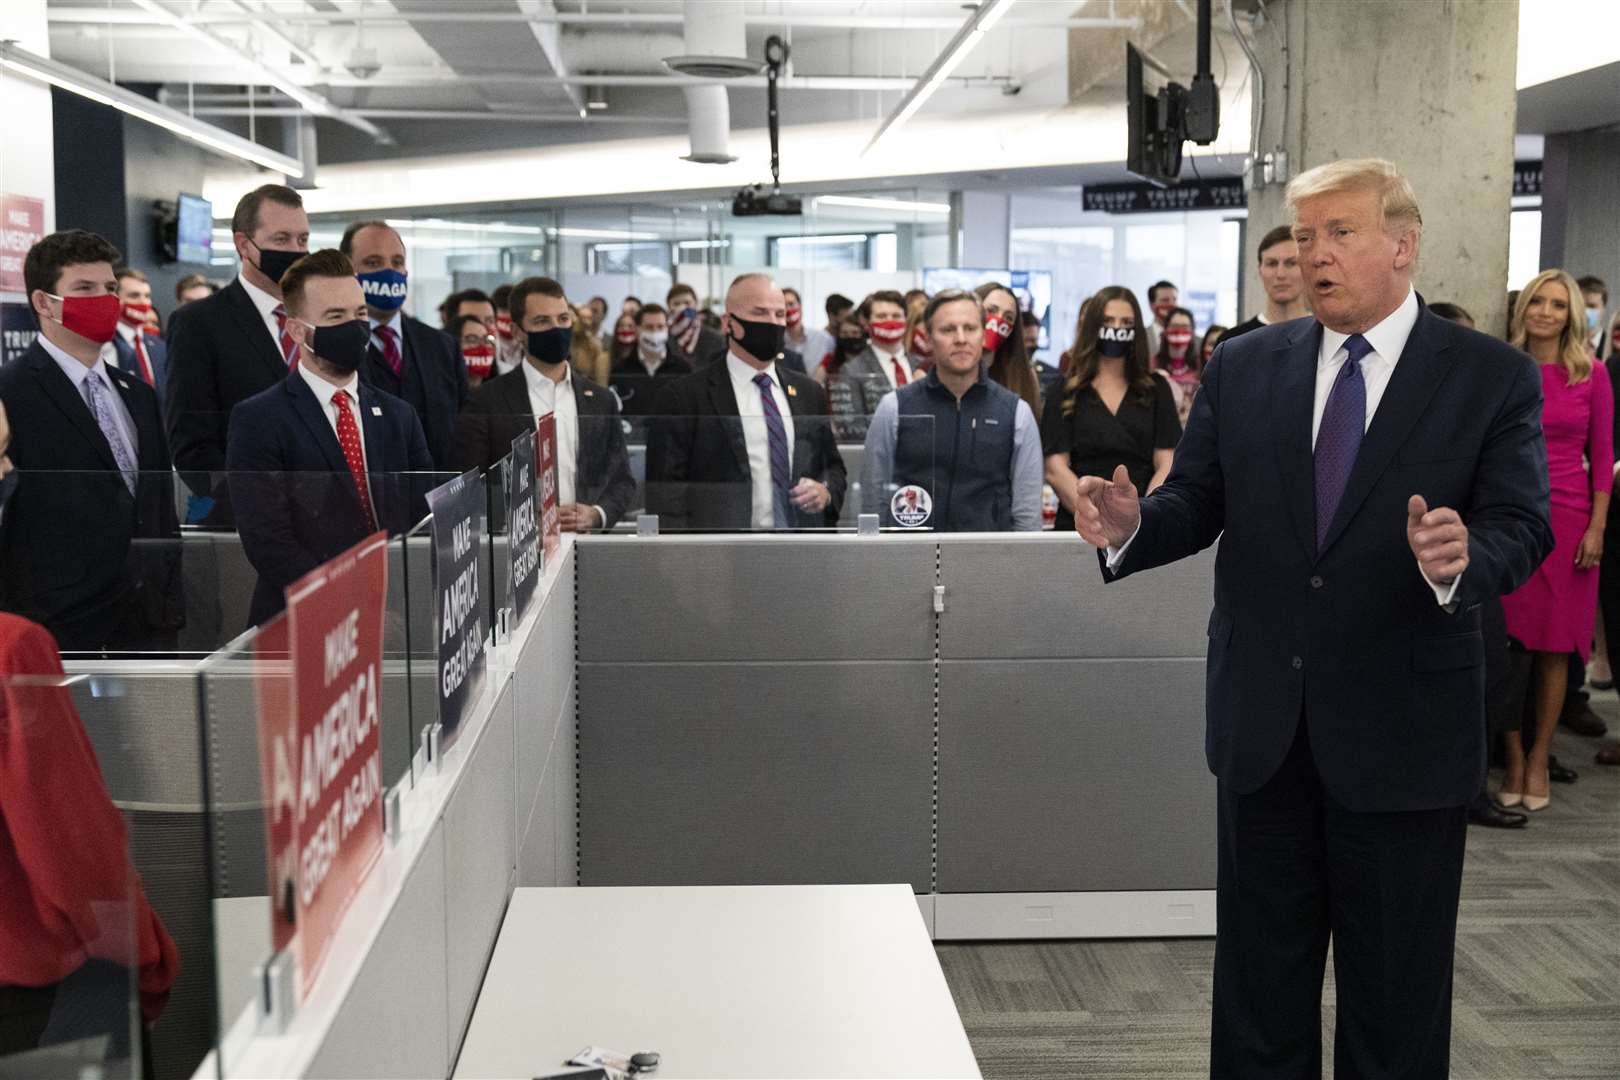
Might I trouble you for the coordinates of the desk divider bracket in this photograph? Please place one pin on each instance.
(277, 999)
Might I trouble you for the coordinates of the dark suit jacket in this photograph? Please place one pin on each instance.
(433, 382)
(156, 352)
(1391, 685)
(220, 353)
(636, 390)
(499, 412)
(698, 475)
(98, 567)
(296, 503)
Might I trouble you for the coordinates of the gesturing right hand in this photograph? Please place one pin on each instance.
(1106, 512)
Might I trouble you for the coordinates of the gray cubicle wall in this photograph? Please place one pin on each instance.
(772, 709)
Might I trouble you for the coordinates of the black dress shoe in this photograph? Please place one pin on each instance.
(1582, 720)
(1601, 684)
(1484, 811)
(1560, 774)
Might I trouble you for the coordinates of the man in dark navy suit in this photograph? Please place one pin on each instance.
(316, 461)
(1377, 472)
(89, 544)
(229, 346)
(407, 358)
(140, 353)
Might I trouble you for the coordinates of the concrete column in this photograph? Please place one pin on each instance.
(981, 228)
(1428, 86)
(1580, 206)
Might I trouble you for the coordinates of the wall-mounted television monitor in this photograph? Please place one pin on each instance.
(194, 230)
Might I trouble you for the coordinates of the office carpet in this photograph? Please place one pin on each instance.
(1537, 990)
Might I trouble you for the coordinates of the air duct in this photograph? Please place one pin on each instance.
(708, 120)
(716, 42)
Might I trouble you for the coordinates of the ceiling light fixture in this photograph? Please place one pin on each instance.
(904, 206)
(965, 41)
(463, 226)
(602, 234)
(31, 65)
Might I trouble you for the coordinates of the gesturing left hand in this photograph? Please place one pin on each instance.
(1438, 538)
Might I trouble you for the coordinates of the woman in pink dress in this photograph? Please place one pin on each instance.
(1552, 614)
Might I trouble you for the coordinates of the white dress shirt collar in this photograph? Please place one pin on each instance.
(742, 371)
(75, 369)
(392, 322)
(127, 332)
(540, 383)
(261, 299)
(325, 391)
(1387, 339)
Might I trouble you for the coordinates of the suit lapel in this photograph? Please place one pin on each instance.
(314, 417)
(253, 327)
(1416, 377)
(724, 400)
(60, 389)
(1293, 403)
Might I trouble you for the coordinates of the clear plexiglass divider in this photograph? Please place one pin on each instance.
(100, 849)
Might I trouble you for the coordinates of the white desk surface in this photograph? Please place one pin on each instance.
(723, 981)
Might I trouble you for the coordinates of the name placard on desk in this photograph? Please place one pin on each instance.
(459, 606)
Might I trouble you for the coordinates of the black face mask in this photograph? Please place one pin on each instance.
(1115, 340)
(274, 262)
(551, 346)
(342, 345)
(851, 346)
(761, 340)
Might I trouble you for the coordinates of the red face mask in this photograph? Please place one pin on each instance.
(627, 336)
(795, 315)
(503, 327)
(480, 360)
(996, 330)
(921, 344)
(1178, 340)
(1614, 341)
(888, 331)
(91, 317)
(135, 314)
(1163, 308)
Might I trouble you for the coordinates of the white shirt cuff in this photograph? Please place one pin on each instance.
(1117, 555)
(1444, 595)
(601, 520)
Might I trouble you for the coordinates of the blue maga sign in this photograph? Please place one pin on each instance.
(459, 607)
(1032, 289)
(523, 522)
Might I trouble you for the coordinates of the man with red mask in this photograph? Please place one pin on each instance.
(89, 541)
(140, 352)
(1163, 297)
(883, 366)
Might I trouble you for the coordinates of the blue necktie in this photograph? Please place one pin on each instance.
(96, 396)
(777, 435)
(1344, 421)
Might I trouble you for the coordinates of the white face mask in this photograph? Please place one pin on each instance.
(654, 340)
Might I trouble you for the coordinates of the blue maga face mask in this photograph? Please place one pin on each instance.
(1592, 315)
(384, 289)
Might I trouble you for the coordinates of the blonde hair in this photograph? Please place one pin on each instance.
(1396, 199)
(1572, 355)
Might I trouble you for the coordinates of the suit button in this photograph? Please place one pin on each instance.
(1316, 582)
(1298, 663)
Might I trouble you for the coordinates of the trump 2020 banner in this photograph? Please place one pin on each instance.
(550, 521)
(324, 763)
(523, 523)
(459, 608)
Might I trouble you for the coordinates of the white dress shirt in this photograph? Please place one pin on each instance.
(1388, 341)
(327, 394)
(266, 306)
(394, 324)
(105, 365)
(751, 407)
(887, 360)
(557, 398)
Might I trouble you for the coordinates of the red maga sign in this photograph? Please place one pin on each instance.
(22, 225)
(323, 765)
(550, 523)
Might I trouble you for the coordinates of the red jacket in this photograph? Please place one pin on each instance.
(67, 890)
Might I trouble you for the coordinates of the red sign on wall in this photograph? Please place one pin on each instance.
(550, 522)
(22, 225)
(323, 764)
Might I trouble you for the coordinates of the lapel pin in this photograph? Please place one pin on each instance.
(590, 393)
(792, 392)
(376, 410)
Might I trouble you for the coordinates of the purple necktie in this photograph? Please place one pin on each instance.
(1344, 421)
(777, 436)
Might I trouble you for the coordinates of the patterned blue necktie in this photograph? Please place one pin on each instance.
(1344, 421)
(96, 396)
(777, 435)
